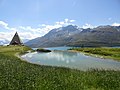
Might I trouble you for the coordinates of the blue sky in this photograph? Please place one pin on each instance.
(37, 17)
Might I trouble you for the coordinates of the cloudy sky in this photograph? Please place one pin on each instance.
(34, 18)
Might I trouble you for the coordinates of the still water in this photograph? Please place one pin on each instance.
(71, 59)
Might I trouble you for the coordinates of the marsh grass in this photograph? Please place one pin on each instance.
(112, 53)
(16, 74)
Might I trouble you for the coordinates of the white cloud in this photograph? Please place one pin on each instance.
(116, 24)
(72, 21)
(88, 26)
(28, 32)
(6, 35)
(66, 20)
(3, 25)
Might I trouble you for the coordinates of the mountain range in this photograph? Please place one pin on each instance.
(72, 35)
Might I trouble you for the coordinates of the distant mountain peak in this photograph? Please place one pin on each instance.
(72, 35)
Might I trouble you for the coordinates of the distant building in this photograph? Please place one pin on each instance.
(16, 40)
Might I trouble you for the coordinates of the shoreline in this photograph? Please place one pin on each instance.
(88, 54)
(95, 55)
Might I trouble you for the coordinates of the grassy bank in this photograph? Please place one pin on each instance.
(16, 74)
(112, 53)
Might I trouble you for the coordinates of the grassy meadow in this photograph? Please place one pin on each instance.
(105, 52)
(17, 74)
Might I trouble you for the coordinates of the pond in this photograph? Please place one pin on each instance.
(69, 59)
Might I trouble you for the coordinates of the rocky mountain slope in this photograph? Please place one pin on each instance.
(75, 36)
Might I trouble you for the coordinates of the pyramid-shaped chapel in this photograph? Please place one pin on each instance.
(16, 40)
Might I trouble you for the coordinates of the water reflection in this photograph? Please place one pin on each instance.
(72, 60)
(59, 56)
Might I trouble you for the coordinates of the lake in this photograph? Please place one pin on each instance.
(62, 58)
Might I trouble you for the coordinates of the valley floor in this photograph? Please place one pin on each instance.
(16, 74)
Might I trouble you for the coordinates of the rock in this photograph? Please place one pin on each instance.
(43, 50)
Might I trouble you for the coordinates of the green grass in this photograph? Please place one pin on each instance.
(112, 53)
(16, 74)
